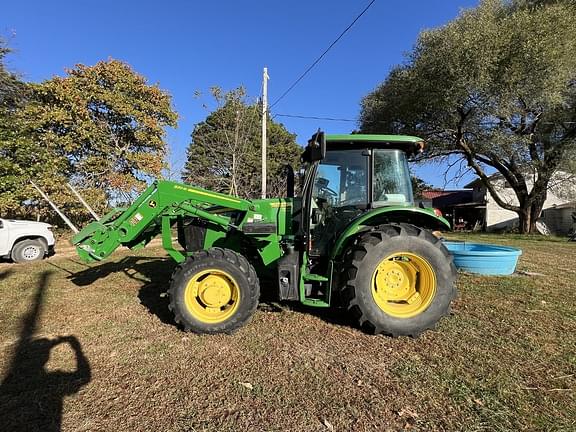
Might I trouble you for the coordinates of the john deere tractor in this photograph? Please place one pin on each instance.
(352, 239)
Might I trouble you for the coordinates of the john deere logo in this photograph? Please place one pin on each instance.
(152, 203)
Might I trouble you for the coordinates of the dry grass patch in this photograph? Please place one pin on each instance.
(98, 351)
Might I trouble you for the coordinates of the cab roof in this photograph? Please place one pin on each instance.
(407, 143)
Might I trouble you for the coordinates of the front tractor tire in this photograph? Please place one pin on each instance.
(214, 291)
(400, 280)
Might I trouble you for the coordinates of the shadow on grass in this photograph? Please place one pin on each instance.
(5, 274)
(153, 272)
(31, 398)
(331, 315)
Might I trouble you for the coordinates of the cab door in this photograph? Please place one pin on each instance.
(339, 194)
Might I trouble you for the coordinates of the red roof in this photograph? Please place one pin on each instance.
(431, 194)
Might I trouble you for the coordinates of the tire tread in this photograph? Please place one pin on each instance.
(233, 258)
(361, 250)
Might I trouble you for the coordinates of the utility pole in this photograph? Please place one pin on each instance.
(265, 78)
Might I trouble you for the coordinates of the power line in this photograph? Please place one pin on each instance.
(329, 118)
(493, 123)
(316, 118)
(322, 55)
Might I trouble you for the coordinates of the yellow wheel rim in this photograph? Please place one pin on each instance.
(403, 285)
(212, 296)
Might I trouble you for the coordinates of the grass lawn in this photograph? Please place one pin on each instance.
(94, 348)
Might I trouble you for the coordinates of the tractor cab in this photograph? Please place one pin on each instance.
(352, 183)
(351, 175)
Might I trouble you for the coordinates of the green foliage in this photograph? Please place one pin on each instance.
(498, 86)
(418, 186)
(12, 90)
(106, 121)
(17, 157)
(225, 152)
(100, 127)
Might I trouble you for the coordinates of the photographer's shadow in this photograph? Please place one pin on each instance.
(31, 397)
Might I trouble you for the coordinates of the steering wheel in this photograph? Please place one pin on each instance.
(323, 189)
(326, 190)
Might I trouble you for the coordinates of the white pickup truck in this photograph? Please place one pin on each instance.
(25, 241)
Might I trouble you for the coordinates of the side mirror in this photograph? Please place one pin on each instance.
(316, 148)
(289, 172)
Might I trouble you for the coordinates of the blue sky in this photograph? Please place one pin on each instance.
(186, 46)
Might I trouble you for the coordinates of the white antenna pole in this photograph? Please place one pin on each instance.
(56, 209)
(265, 78)
(92, 212)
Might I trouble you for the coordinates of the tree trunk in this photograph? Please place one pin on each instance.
(525, 221)
(535, 211)
(529, 214)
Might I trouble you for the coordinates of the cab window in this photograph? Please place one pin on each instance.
(341, 179)
(391, 178)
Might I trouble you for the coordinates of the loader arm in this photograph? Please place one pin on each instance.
(154, 212)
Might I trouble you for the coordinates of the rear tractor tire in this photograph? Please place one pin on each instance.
(400, 280)
(214, 291)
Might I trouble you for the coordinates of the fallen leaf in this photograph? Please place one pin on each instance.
(328, 425)
(247, 385)
(527, 273)
(407, 412)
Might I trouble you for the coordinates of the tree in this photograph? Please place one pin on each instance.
(19, 158)
(418, 186)
(100, 127)
(104, 124)
(497, 87)
(225, 152)
(12, 90)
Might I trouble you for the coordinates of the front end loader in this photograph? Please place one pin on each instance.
(352, 239)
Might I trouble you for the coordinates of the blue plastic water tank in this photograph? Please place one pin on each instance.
(486, 259)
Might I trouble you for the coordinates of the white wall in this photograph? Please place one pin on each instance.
(559, 220)
(499, 218)
(496, 216)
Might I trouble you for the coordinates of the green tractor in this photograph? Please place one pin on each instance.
(352, 239)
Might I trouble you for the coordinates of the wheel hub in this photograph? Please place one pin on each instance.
(215, 291)
(212, 296)
(403, 285)
(395, 280)
(31, 252)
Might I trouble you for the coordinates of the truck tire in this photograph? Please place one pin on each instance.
(400, 280)
(214, 291)
(28, 251)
